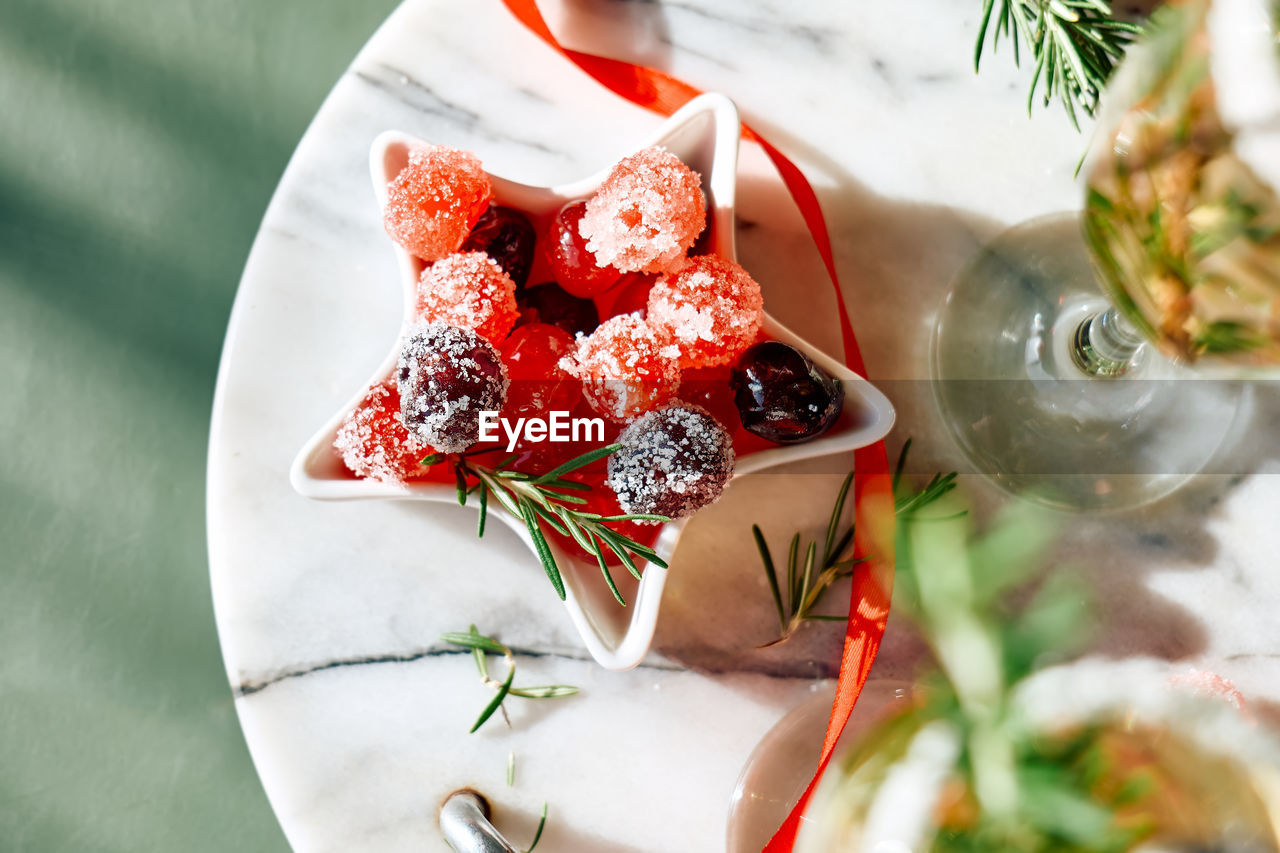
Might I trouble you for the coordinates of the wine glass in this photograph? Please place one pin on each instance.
(1204, 776)
(1091, 401)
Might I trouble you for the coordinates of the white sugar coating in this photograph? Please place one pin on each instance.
(646, 214)
(626, 367)
(673, 462)
(469, 290)
(373, 441)
(435, 200)
(446, 377)
(712, 308)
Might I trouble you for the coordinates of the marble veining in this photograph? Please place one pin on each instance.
(329, 615)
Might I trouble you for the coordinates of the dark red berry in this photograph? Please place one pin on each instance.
(507, 236)
(549, 303)
(572, 263)
(673, 462)
(782, 395)
(447, 376)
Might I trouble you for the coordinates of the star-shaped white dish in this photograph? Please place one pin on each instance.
(704, 134)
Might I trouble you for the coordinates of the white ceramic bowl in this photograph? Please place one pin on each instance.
(704, 134)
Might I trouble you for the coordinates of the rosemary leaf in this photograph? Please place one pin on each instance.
(612, 540)
(770, 572)
(497, 699)
(511, 768)
(474, 641)
(537, 836)
(560, 483)
(833, 526)
(544, 550)
(549, 691)
(793, 557)
(461, 480)
(810, 556)
(604, 570)
(484, 510)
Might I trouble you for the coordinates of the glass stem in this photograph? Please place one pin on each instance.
(1106, 345)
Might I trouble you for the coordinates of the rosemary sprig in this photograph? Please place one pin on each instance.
(537, 836)
(808, 579)
(549, 501)
(481, 645)
(1076, 44)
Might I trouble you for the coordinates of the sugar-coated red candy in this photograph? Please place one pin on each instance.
(435, 201)
(711, 308)
(374, 442)
(538, 384)
(626, 367)
(575, 268)
(470, 291)
(646, 214)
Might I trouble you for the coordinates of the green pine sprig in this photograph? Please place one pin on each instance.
(1076, 45)
(549, 501)
(482, 645)
(808, 577)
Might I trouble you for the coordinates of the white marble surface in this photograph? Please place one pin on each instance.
(328, 613)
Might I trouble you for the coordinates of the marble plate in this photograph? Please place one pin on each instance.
(704, 133)
(329, 613)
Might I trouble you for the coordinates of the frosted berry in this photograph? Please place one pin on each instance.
(507, 236)
(673, 462)
(646, 214)
(626, 367)
(550, 303)
(469, 291)
(435, 200)
(447, 376)
(373, 441)
(783, 396)
(538, 384)
(711, 308)
(572, 263)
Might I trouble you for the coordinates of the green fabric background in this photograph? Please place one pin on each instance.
(139, 144)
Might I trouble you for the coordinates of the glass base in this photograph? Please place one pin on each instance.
(1025, 412)
(780, 767)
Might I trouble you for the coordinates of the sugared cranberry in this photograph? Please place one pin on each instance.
(572, 263)
(782, 395)
(538, 384)
(711, 307)
(646, 214)
(447, 376)
(435, 200)
(549, 303)
(626, 367)
(507, 236)
(673, 462)
(373, 441)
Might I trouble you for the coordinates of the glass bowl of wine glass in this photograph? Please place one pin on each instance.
(1098, 360)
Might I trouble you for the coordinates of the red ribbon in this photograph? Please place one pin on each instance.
(873, 583)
